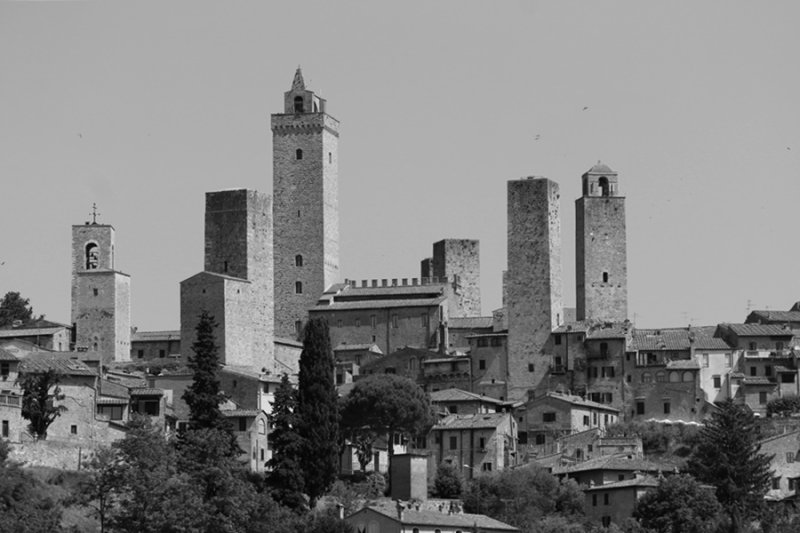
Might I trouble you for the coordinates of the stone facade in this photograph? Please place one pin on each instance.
(533, 283)
(600, 248)
(306, 212)
(458, 260)
(101, 299)
(236, 286)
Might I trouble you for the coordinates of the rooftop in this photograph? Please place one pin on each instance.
(459, 395)
(614, 462)
(478, 421)
(573, 400)
(169, 335)
(758, 330)
(412, 517)
(379, 304)
(471, 322)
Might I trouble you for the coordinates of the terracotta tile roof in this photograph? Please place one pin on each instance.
(241, 412)
(170, 335)
(644, 481)
(573, 400)
(479, 421)
(455, 359)
(683, 364)
(146, 391)
(112, 401)
(29, 332)
(774, 316)
(608, 331)
(379, 304)
(459, 395)
(758, 381)
(389, 292)
(471, 322)
(675, 339)
(343, 347)
(69, 367)
(614, 462)
(6, 356)
(572, 327)
(465, 521)
(600, 168)
(758, 330)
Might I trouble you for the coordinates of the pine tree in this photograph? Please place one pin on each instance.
(286, 478)
(204, 395)
(317, 407)
(728, 457)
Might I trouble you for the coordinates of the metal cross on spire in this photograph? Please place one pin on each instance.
(94, 213)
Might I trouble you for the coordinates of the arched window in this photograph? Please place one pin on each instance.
(647, 377)
(298, 104)
(605, 190)
(262, 428)
(298, 260)
(674, 377)
(605, 277)
(298, 287)
(688, 376)
(298, 154)
(661, 377)
(92, 256)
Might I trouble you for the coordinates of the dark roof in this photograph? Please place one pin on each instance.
(6, 356)
(112, 401)
(169, 335)
(344, 347)
(573, 400)
(398, 356)
(470, 322)
(37, 324)
(29, 332)
(644, 481)
(616, 330)
(701, 338)
(758, 381)
(774, 316)
(572, 327)
(146, 391)
(600, 168)
(683, 364)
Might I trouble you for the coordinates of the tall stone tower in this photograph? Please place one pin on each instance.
(305, 157)
(600, 248)
(458, 260)
(236, 286)
(101, 295)
(533, 282)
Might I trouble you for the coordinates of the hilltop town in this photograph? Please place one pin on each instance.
(540, 381)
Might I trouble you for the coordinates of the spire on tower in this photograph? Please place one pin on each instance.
(297, 82)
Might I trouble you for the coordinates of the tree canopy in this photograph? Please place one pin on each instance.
(679, 503)
(15, 307)
(40, 392)
(318, 411)
(728, 457)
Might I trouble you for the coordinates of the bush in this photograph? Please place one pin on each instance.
(448, 482)
(786, 406)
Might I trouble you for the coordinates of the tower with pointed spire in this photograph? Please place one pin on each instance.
(305, 178)
(101, 295)
(600, 248)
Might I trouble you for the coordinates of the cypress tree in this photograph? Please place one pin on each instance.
(318, 413)
(728, 457)
(286, 478)
(204, 395)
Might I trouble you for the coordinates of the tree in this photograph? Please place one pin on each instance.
(96, 491)
(15, 307)
(448, 482)
(40, 392)
(204, 394)
(728, 457)
(679, 503)
(285, 478)
(317, 409)
(523, 497)
(387, 404)
(23, 508)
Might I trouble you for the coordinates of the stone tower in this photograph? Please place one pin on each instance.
(305, 156)
(533, 282)
(458, 260)
(101, 295)
(236, 286)
(600, 248)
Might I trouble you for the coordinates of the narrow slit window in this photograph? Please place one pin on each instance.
(298, 287)
(298, 260)
(298, 154)
(605, 277)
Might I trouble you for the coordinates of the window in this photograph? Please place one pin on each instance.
(486, 467)
(373, 320)
(262, 427)
(604, 349)
(423, 320)
(242, 423)
(298, 260)
(605, 277)
(688, 376)
(73, 429)
(647, 377)
(358, 322)
(5, 432)
(620, 477)
(548, 417)
(629, 378)
(792, 484)
(92, 256)
(768, 371)
(557, 339)
(339, 323)
(704, 360)
(605, 499)
(585, 420)
(661, 377)
(298, 154)
(789, 457)
(140, 354)
(298, 328)
(452, 409)
(497, 341)
(482, 364)
(606, 521)
(483, 343)
(162, 353)
(95, 292)
(776, 483)
(667, 408)
(453, 443)
(753, 371)
(762, 397)
(540, 439)
(530, 367)
(728, 360)
(640, 408)
(330, 157)
(298, 104)
(298, 287)
(594, 500)
(5, 369)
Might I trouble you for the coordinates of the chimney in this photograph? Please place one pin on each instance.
(400, 509)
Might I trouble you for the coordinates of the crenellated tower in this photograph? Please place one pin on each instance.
(305, 156)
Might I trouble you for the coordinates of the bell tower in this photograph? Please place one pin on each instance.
(600, 248)
(305, 158)
(101, 295)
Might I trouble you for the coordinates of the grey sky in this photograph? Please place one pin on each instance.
(142, 107)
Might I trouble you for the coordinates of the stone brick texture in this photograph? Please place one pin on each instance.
(600, 246)
(534, 280)
(458, 260)
(306, 213)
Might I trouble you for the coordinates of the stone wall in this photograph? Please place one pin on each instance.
(101, 313)
(306, 214)
(458, 260)
(533, 283)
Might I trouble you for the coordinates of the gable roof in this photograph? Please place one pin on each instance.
(572, 400)
(7, 356)
(757, 330)
(378, 304)
(774, 316)
(471, 322)
(44, 362)
(643, 481)
(459, 395)
(412, 517)
(477, 421)
(614, 462)
(170, 335)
